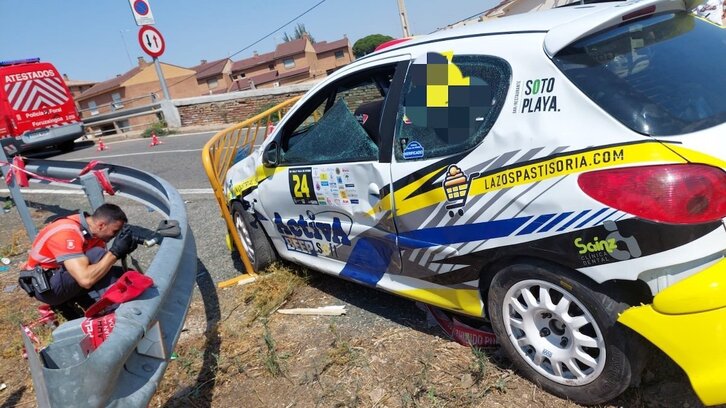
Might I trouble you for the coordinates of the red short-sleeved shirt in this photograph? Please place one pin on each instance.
(61, 240)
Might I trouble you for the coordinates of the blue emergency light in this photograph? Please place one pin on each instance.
(16, 62)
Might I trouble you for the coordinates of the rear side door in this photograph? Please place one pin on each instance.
(323, 199)
(449, 103)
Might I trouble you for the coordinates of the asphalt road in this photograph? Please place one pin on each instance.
(178, 161)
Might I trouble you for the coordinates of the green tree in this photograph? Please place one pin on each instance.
(299, 32)
(367, 44)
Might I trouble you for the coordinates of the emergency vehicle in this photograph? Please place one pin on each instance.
(559, 173)
(36, 107)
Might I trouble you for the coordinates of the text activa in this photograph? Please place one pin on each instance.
(596, 245)
(313, 229)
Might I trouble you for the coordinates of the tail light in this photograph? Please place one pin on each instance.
(673, 193)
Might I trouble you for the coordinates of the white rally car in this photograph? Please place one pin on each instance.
(560, 173)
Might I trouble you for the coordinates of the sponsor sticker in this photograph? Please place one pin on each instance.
(413, 150)
(600, 250)
(301, 186)
(314, 237)
(538, 96)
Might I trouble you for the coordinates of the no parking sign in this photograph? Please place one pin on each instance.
(142, 12)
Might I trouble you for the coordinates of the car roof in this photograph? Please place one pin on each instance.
(563, 25)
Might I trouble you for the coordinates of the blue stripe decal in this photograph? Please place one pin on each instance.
(369, 259)
(538, 222)
(572, 221)
(555, 222)
(605, 217)
(591, 218)
(460, 233)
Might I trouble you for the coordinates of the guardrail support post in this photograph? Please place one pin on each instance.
(17, 196)
(93, 190)
(171, 113)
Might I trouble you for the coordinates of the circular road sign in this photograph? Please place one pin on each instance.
(151, 41)
(141, 7)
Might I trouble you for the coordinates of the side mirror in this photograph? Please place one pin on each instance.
(271, 156)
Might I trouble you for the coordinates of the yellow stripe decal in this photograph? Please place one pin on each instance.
(261, 173)
(525, 173)
(467, 301)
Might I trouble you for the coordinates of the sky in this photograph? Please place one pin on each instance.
(95, 40)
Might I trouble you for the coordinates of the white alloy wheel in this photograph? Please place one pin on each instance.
(244, 235)
(554, 332)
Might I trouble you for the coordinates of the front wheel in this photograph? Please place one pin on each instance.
(257, 245)
(560, 333)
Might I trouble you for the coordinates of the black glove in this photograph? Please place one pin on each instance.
(124, 243)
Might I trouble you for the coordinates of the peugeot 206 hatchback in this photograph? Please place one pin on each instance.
(558, 173)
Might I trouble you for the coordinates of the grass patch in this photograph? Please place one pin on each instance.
(159, 128)
(18, 244)
(341, 352)
(479, 364)
(270, 291)
(272, 359)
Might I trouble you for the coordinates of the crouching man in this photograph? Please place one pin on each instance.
(69, 266)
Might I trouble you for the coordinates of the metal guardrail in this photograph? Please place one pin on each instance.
(96, 121)
(117, 105)
(122, 114)
(220, 151)
(125, 370)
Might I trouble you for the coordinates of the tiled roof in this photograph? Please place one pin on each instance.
(290, 48)
(294, 72)
(244, 83)
(263, 78)
(253, 61)
(77, 82)
(108, 85)
(241, 84)
(208, 69)
(325, 46)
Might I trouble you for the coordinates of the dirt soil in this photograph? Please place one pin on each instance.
(237, 351)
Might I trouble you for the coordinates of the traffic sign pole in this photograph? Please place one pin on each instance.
(152, 42)
(160, 74)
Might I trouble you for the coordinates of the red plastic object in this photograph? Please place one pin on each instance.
(17, 172)
(104, 182)
(461, 332)
(90, 166)
(98, 329)
(391, 43)
(128, 287)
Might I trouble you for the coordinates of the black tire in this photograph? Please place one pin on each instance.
(257, 244)
(543, 341)
(67, 146)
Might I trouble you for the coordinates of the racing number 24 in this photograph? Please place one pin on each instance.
(301, 181)
(300, 186)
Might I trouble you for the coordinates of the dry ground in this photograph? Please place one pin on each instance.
(236, 351)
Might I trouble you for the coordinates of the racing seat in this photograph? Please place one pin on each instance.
(369, 116)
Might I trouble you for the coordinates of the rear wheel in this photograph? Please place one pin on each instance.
(560, 333)
(257, 245)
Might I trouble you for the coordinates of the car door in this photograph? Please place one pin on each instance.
(324, 197)
(448, 105)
